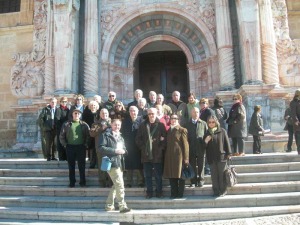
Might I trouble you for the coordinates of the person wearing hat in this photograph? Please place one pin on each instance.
(74, 136)
(60, 117)
(295, 114)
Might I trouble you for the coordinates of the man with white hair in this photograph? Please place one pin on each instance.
(137, 95)
(160, 101)
(152, 99)
(151, 141)
(179, 108)
(98, 99)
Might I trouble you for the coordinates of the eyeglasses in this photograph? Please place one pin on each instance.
(234, 99)
(202, 102)
(111, 96)
(150, 114)
(211, 122)
(117, 105)
(79, 99)
(174, 118)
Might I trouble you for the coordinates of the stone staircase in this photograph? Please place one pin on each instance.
(32, 189)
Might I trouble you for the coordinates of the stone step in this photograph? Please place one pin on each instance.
(57, 172)
(147, 216)
(93, 181)
(229, 201)
(57, 191)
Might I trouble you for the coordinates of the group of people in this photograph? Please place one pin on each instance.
(149, 138)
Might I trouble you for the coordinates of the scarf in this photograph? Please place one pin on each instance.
(212, 130)
(63, 107)
(149, 141)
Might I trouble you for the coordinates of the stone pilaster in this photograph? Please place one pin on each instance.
(91, 49)
(64, 22)
(248, 17)
(269, 55)
(224, 42)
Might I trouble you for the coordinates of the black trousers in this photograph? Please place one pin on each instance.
(291, 136)
(217, 177)
(76, 152)
(177, 187)
(256, 144)
(238, 144)
(198, 161)
(62, 154)
(50, 143)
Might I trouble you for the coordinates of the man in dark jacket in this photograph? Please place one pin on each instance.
(74, 136)
(295, 113)
(46, 120)
(112, 144)
(150, 139)
(196, 130)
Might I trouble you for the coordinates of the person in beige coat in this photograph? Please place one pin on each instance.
(176, 156)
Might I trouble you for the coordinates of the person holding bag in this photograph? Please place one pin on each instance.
(217, 152)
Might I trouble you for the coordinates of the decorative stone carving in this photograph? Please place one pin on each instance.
(27, 75)
(288, 51)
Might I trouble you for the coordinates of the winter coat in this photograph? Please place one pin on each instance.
(97, 129)
(177, 151)
(237, 125)
(256, 124)
(45, 119)
(288, 118)
(61, 116)
(108, 144)
(158, 145)
(195, 137)
(221, 114)
(66, 129)
(205, 113)
(295, 113)
(218, 148)
(129, 130)
(181, 110)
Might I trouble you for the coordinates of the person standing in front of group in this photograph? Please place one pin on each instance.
(176, 156)
(151, 141)
(112, 144)
(217, 152)
(289, 127)
(237, 126)
(196, 130)
(295, 113)
(74, 136)
(256, 129)
(61, 116)
(47, 122)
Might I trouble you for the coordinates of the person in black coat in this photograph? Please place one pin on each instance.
(61, 116)
(256, 129)
(133, 158)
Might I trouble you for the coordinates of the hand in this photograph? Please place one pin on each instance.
(297, 123)
(120, 151)
(207, 139)
(186, 162)
(162, 138)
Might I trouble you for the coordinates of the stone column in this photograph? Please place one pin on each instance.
(49, 56)
(248, 18)
(91, 80)
(64, 23)
(224, 42)
(269, 56)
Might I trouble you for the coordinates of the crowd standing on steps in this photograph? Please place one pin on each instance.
(158, 139)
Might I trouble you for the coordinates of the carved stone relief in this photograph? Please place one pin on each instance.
(288, 51)
(27, 75)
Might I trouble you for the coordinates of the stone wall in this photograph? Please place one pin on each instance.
(15, 36)
(294, 18)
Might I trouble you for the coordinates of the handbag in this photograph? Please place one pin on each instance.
(105, 164)
(230, 175)
(187, 172)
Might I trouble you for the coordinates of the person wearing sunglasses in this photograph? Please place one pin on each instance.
(119, 111)
(137, 95)
(61, 116)
(110, 103)
(217, 152)
(176, 156)
(237, 125)
(74, 136)
(78, 104)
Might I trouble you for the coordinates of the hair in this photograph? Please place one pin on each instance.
(92, 103)
(142, 100)
(218, 102)
(122, 105)
(104, 109)
(63, 98)
(161, 95)
(195, 108)
(238, 96)
(138, 90)
(53, 99)
(174, 114)
(152, 109)
(203, 100)
(133, 107)
(79, 96)
(116, 120)
(191, 94)
(257, 108)
(212, 117)
(152, 93)
(112, 93)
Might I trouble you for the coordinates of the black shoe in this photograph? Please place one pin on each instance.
(54, 159)
(71, 185)
(199, 184)
(192, 185)
(223, 194)
(159, 195)
(148, 196)
(48, 159)
(289, 150)
(82, 185)
(128, 185)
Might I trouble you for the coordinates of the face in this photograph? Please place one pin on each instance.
(116, 126)
(104, 114)
(138, 95)
(159, 111)
(152, 115)
(76, 116)
(202, 105)
(111, 96)
(97, 99)
(79, 101)
(64, 103)
(235, 99)
(211, 123)
(174, 120)
(175, 96)
(159, 100)
(141, 104)
(53, 103)
(195, 114)
(93, 107)
(152, 97)
(133, 113)
(118, 107)
(191, 99)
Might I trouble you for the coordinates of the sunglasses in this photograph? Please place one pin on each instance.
(111, 96)
(234, 99)
(174, 118)
(79, 99)
(202, 102)
(211, 122)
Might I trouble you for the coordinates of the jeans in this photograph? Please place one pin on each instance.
(148, 171)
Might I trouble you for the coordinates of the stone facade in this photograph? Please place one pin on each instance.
(63, 47)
